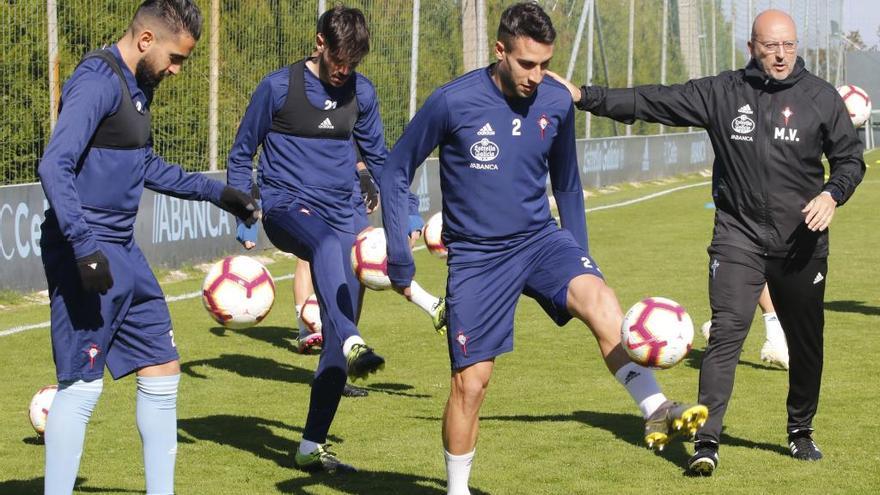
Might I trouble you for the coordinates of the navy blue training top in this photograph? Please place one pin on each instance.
(318, 172)
(495, 157)
(94, 193)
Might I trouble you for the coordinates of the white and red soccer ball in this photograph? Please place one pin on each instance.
(369, 259)
(311, 314)
(858, 103)
(657, 333)
(38, 411)
(432, 233)
(238, 292)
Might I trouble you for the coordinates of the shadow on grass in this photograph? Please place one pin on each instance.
(370, 482)
(250, 367)
(749, 444)
(281, 337)
(34, 486)
(392, 389)
(269, 369)
(248, 433)
(852, 307)
(627, 427)
(695, 358)
(34, 440)
(630, 428)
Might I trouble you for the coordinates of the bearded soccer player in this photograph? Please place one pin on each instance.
(502, 130)
(107, 308)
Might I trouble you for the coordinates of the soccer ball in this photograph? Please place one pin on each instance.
(311, 314)
(238, 292)
(369, 259)
(858, 103)
(432, 234)
(657, 333)
(38, 411)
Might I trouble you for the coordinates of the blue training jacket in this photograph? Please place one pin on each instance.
(495, 156)
(94, 193)
(318, 172)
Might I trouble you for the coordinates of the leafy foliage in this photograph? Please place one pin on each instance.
(260, 36)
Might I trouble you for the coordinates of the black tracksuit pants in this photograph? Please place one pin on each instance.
(797, 287)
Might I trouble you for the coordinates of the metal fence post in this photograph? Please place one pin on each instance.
(214, 87)
(591, 22)
(469, 34)
(576, 46)
(54, 61)
(414, 59)
(663, 49)
(629, 52)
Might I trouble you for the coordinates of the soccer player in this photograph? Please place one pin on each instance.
(106, 306)
(769, 124)
(304, 116)
(501, 131)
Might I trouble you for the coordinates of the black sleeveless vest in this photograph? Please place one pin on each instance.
(127, 128)
(298, 117)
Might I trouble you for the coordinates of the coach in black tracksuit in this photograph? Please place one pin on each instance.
(769, 125)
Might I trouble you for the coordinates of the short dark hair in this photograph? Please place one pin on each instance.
(527, 20)
(177, 15)
(345, 31)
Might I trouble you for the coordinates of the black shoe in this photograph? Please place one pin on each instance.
(705, 458)
(362, 361)
(352, 391)
(803, 447)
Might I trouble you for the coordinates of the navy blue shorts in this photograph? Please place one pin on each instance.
(126, 329)
(482, 296)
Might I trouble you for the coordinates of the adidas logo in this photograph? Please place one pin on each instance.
(326, 124)
(486, 130)
(745, 109)
(818, 278)
(632, 375)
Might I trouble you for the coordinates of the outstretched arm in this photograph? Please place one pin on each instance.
(676, 105)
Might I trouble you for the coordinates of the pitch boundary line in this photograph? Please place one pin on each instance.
(193, 295)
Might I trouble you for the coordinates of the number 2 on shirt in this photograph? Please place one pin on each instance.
(516, 125)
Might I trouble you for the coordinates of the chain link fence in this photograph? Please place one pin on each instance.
(415, 47)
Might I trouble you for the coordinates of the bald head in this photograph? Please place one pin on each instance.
(773, 22)
(774, 43)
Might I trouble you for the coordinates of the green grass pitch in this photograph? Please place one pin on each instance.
(554, 422)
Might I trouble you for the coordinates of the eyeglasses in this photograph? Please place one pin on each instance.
(773, 46)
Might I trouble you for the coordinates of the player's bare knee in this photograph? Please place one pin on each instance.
(164, 369)
(470, 388)
(589, 297)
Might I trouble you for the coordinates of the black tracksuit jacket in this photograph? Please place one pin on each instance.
(768, 137)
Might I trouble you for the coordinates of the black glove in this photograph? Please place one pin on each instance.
(368, 189)
(240, 204)
(94, 272)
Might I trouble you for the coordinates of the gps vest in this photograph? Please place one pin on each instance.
(298, 117)
(127, 128)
